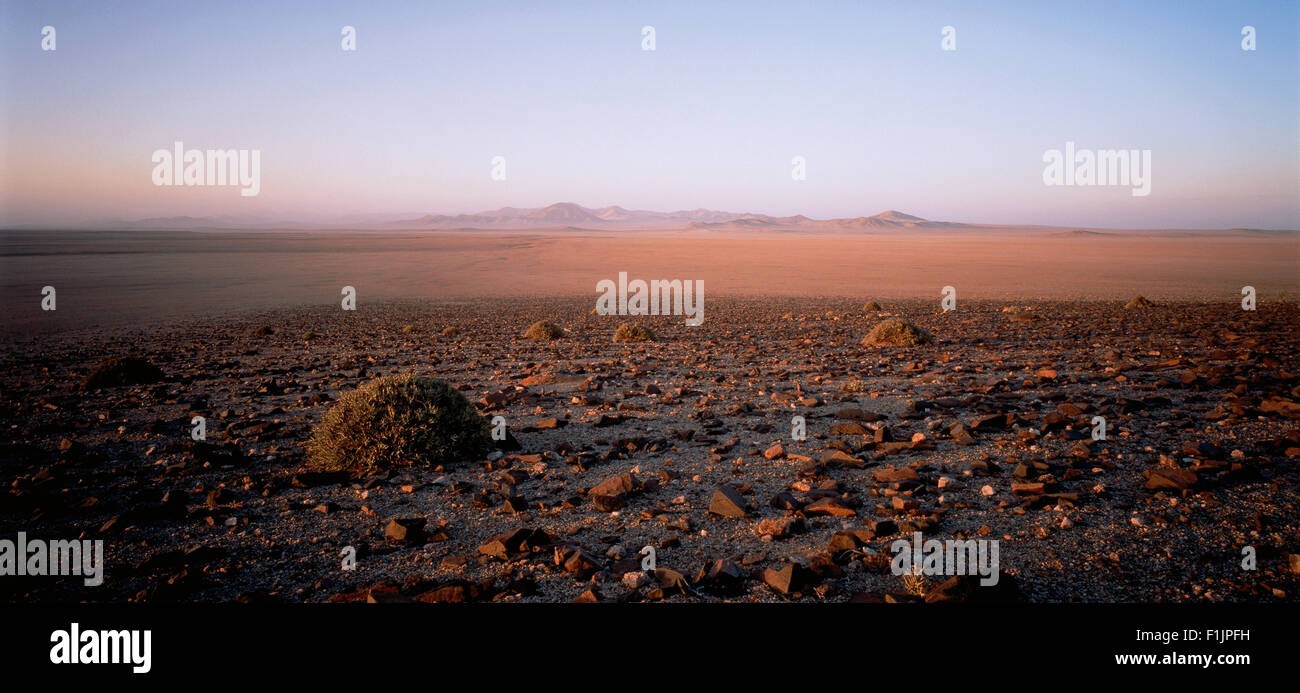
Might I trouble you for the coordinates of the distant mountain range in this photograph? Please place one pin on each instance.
(568, 216)
(562, 215)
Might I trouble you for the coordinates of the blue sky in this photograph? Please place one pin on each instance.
(711, 118)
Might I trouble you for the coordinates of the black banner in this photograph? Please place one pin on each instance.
(340, 642)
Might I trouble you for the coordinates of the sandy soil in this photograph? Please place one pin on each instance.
(143, 278)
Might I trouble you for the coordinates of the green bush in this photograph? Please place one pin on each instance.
(397, 421)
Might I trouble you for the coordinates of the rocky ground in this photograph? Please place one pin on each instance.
(683, 444)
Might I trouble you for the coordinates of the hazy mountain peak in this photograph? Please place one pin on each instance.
(895, 215)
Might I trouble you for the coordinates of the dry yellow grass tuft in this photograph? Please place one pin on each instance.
(543, 331)
(1139, 301)
(895, 332)
(632, 332)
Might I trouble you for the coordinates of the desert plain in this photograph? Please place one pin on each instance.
(683, 443)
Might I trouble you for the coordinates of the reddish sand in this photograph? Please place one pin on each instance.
(140, 277)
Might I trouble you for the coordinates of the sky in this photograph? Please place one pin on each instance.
(409, 123)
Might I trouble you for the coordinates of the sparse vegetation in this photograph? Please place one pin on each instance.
(397, 421)
(632, 332)
(914, 582)
(1017, 314)
(410, 329)
(308, 335)
(543, 331)
(895, 332)
(871, 307)
(264, 331)
(126, 370)
(1139, 301)
(450, 331)
(855, 386)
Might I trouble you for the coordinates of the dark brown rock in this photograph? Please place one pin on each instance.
(727, 502)
(405, 529)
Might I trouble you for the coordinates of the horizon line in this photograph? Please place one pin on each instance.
(404, 221)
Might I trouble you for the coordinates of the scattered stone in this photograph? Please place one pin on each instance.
(635, 580)
(967, 589)
(405, 529)
(727, 502)
(516, 544)
(1162, 479)
(792, 577)
(611, 494)
(890, 474)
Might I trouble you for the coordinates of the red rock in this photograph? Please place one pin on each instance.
(902, 504)
(727, 502)
(891, 474)
(405, 529)
(1282, 407)
(791, 577)
(777, 526)
(615, 486)
(1169, 479)
(511, 544)
(858, 415)
(828, 506)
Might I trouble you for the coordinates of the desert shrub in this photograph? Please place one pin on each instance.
(409, 329)
(543, 331)
(871, 307)
(896, 332)
(264, 331)
(632, 332)
(1139, 301)
(450, 331)
(309, 335)
(122, 370)
(397, 421)
(855, 386)
(1017, 314)
(914, 582)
